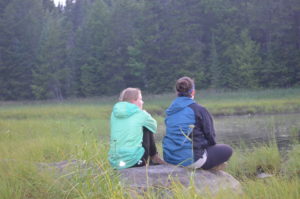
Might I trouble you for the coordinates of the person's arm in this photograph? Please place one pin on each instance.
(208, 126)
(150, 123)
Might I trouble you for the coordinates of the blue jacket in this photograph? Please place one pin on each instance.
(189, 131)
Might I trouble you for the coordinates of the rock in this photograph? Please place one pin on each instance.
(264, 175)
(68, 168)
(141, 178)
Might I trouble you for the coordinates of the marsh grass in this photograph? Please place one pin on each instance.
(291, 164)
(247, 163)
(232, 102)
(219, 102)
(46, 132)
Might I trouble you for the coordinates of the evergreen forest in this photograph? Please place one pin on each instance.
(98, 47)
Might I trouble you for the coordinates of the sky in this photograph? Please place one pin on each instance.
(62, 2)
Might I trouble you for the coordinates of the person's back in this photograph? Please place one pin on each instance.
(190, 135)
(127, 123)
(179, 126)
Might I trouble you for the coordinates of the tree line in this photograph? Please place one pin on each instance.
(98, 47)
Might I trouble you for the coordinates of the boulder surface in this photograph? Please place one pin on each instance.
(141, 178)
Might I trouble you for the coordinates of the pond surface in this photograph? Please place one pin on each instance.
(256, 129)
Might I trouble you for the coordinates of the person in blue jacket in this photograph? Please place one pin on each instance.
(190, 138)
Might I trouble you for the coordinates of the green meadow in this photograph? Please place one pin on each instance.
(78, 129)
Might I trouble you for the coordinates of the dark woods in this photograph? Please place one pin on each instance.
(97, 47)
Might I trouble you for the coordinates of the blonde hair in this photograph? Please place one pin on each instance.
(129, 94)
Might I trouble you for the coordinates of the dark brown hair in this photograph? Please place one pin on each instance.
(185, 86)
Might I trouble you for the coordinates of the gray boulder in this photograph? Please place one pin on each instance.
(69, 168)
(141, 178)
(159, 177)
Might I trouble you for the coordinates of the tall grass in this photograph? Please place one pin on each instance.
(49, 132)
(248, 163)
(291, 165)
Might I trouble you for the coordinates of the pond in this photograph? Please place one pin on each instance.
(256, 129)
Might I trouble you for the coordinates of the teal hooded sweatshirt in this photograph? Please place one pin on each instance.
(126, 128)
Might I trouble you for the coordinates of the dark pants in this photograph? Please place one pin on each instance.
(149, 146)
(216, 155)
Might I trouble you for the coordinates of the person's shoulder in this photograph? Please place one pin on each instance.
(143, 113)
(145, 116)
(197, 106)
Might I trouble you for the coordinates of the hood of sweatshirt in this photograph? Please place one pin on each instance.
(178, 104)
(124, 109)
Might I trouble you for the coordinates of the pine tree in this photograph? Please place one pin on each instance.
(246, 62)
(20, 26)
(215, 66)
(122, 46)
(51, 73)
(89, 54)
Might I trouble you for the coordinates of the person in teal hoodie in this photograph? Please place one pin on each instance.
(190, 138)
(132, 128)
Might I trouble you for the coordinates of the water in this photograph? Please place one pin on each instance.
(256, 129)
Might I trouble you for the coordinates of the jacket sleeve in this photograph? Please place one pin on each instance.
(150, 123)
(208, 126)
